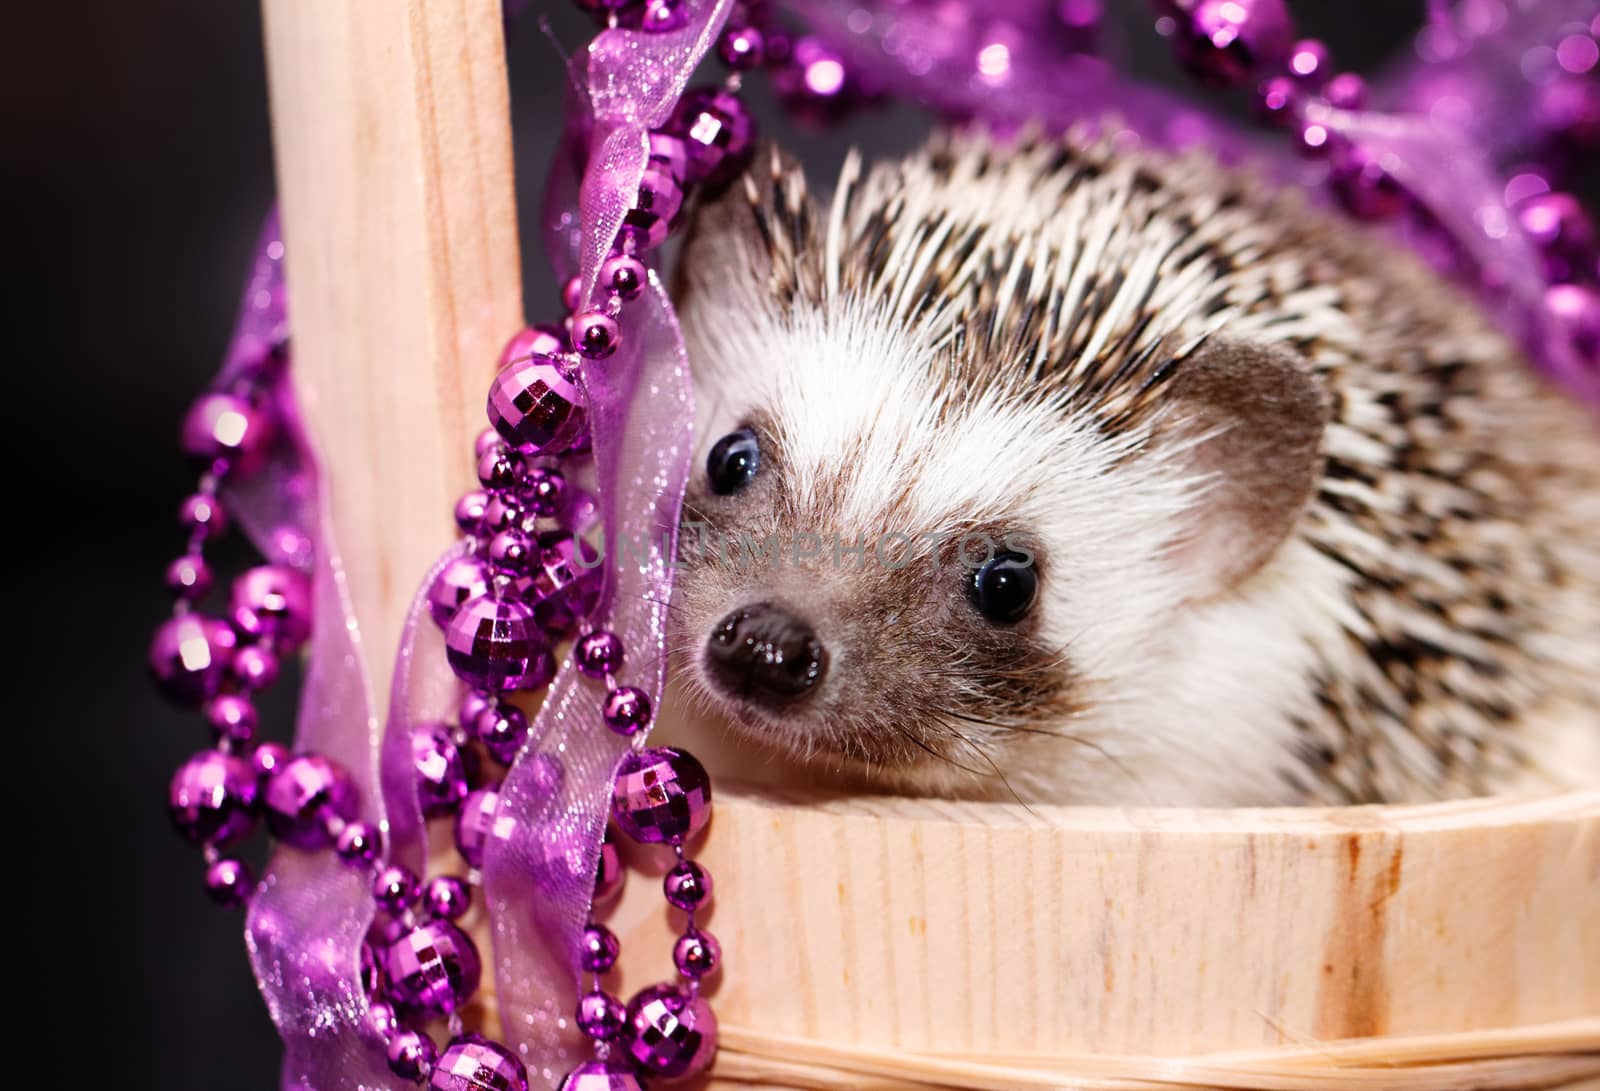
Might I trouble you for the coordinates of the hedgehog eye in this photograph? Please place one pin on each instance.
(733, 461)
(1003, 589)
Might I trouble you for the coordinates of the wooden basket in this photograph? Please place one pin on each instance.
(889, 943)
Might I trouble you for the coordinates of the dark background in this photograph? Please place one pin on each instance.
(136, 165)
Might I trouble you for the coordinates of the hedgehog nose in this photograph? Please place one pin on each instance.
(764, 653)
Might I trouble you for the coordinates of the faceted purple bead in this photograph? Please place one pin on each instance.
(566, 583)
(433, 969)
(212, 798)
(537, 408)
(224, 433)
(441, 772)
(302, 794)
(474, 824)
(229, 882)
(601, 1016)
(655, 209)
(496, 645)
(612, 1075)
(189, 577)
(717, 132)
(671, 153)
(697, 954)
(461, 579)
(273, 602)
(473, 1063)
(190, 656)
(687, 885)
(410, 1054)
(662, 794)
(598, 653)
(674, 1032)
(1226, 41)
(598, 949)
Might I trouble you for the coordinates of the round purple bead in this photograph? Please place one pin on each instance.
(687, 885)
(545, 491)
(380, 1013)
(717, 133)
(540, 340)
(1309, 61)
(1226, 41)
(302, 794)
(232, 717)
(662, 794)
(1277, 100)
(190, 656)
(224, 433)
(446, 897)
(609, 873)
(461, 579)
(432, 969)
(189, 577)
(500, 469)
(504, 511)
(203, 515)
(268, 758)
(410, 1055)
(609, 1075)
(473, 1063)
(272, 602)
(1558, 226)
(601, 1016)
(1346, 91)
(650, 219)
(496, 645)
(595, 334)
(229, 882)
(623, 275)
(674, 1033)
(598, 654)
(359, 844)
(469, 510)
(572, 292)
(1365, 186)
(511, 551)
(255, 667)
(394, 888)
(212, 798)
(626, 710)
(598, 949)
(537, 408)
(664, 15)
(441, 772)
(697, 954)
(1576, 307)
(742, 48)
(475, 824)
(488, 440)
(503, 730)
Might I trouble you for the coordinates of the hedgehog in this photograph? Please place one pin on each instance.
(1054, 470)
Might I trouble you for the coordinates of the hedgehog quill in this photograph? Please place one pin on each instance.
(1297, 525)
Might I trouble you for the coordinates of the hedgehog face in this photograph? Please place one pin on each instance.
(970, 461)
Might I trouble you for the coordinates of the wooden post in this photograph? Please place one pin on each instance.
(392, 130)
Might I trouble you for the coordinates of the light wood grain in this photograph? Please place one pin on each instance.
(925, 927)
(392, 132)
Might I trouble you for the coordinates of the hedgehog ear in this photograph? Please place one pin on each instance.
(752, 236)
(1254, 416)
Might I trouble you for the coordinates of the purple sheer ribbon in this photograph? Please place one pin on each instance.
(308, 919)
(541, 861)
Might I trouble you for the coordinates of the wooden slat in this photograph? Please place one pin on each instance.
(391, 127)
